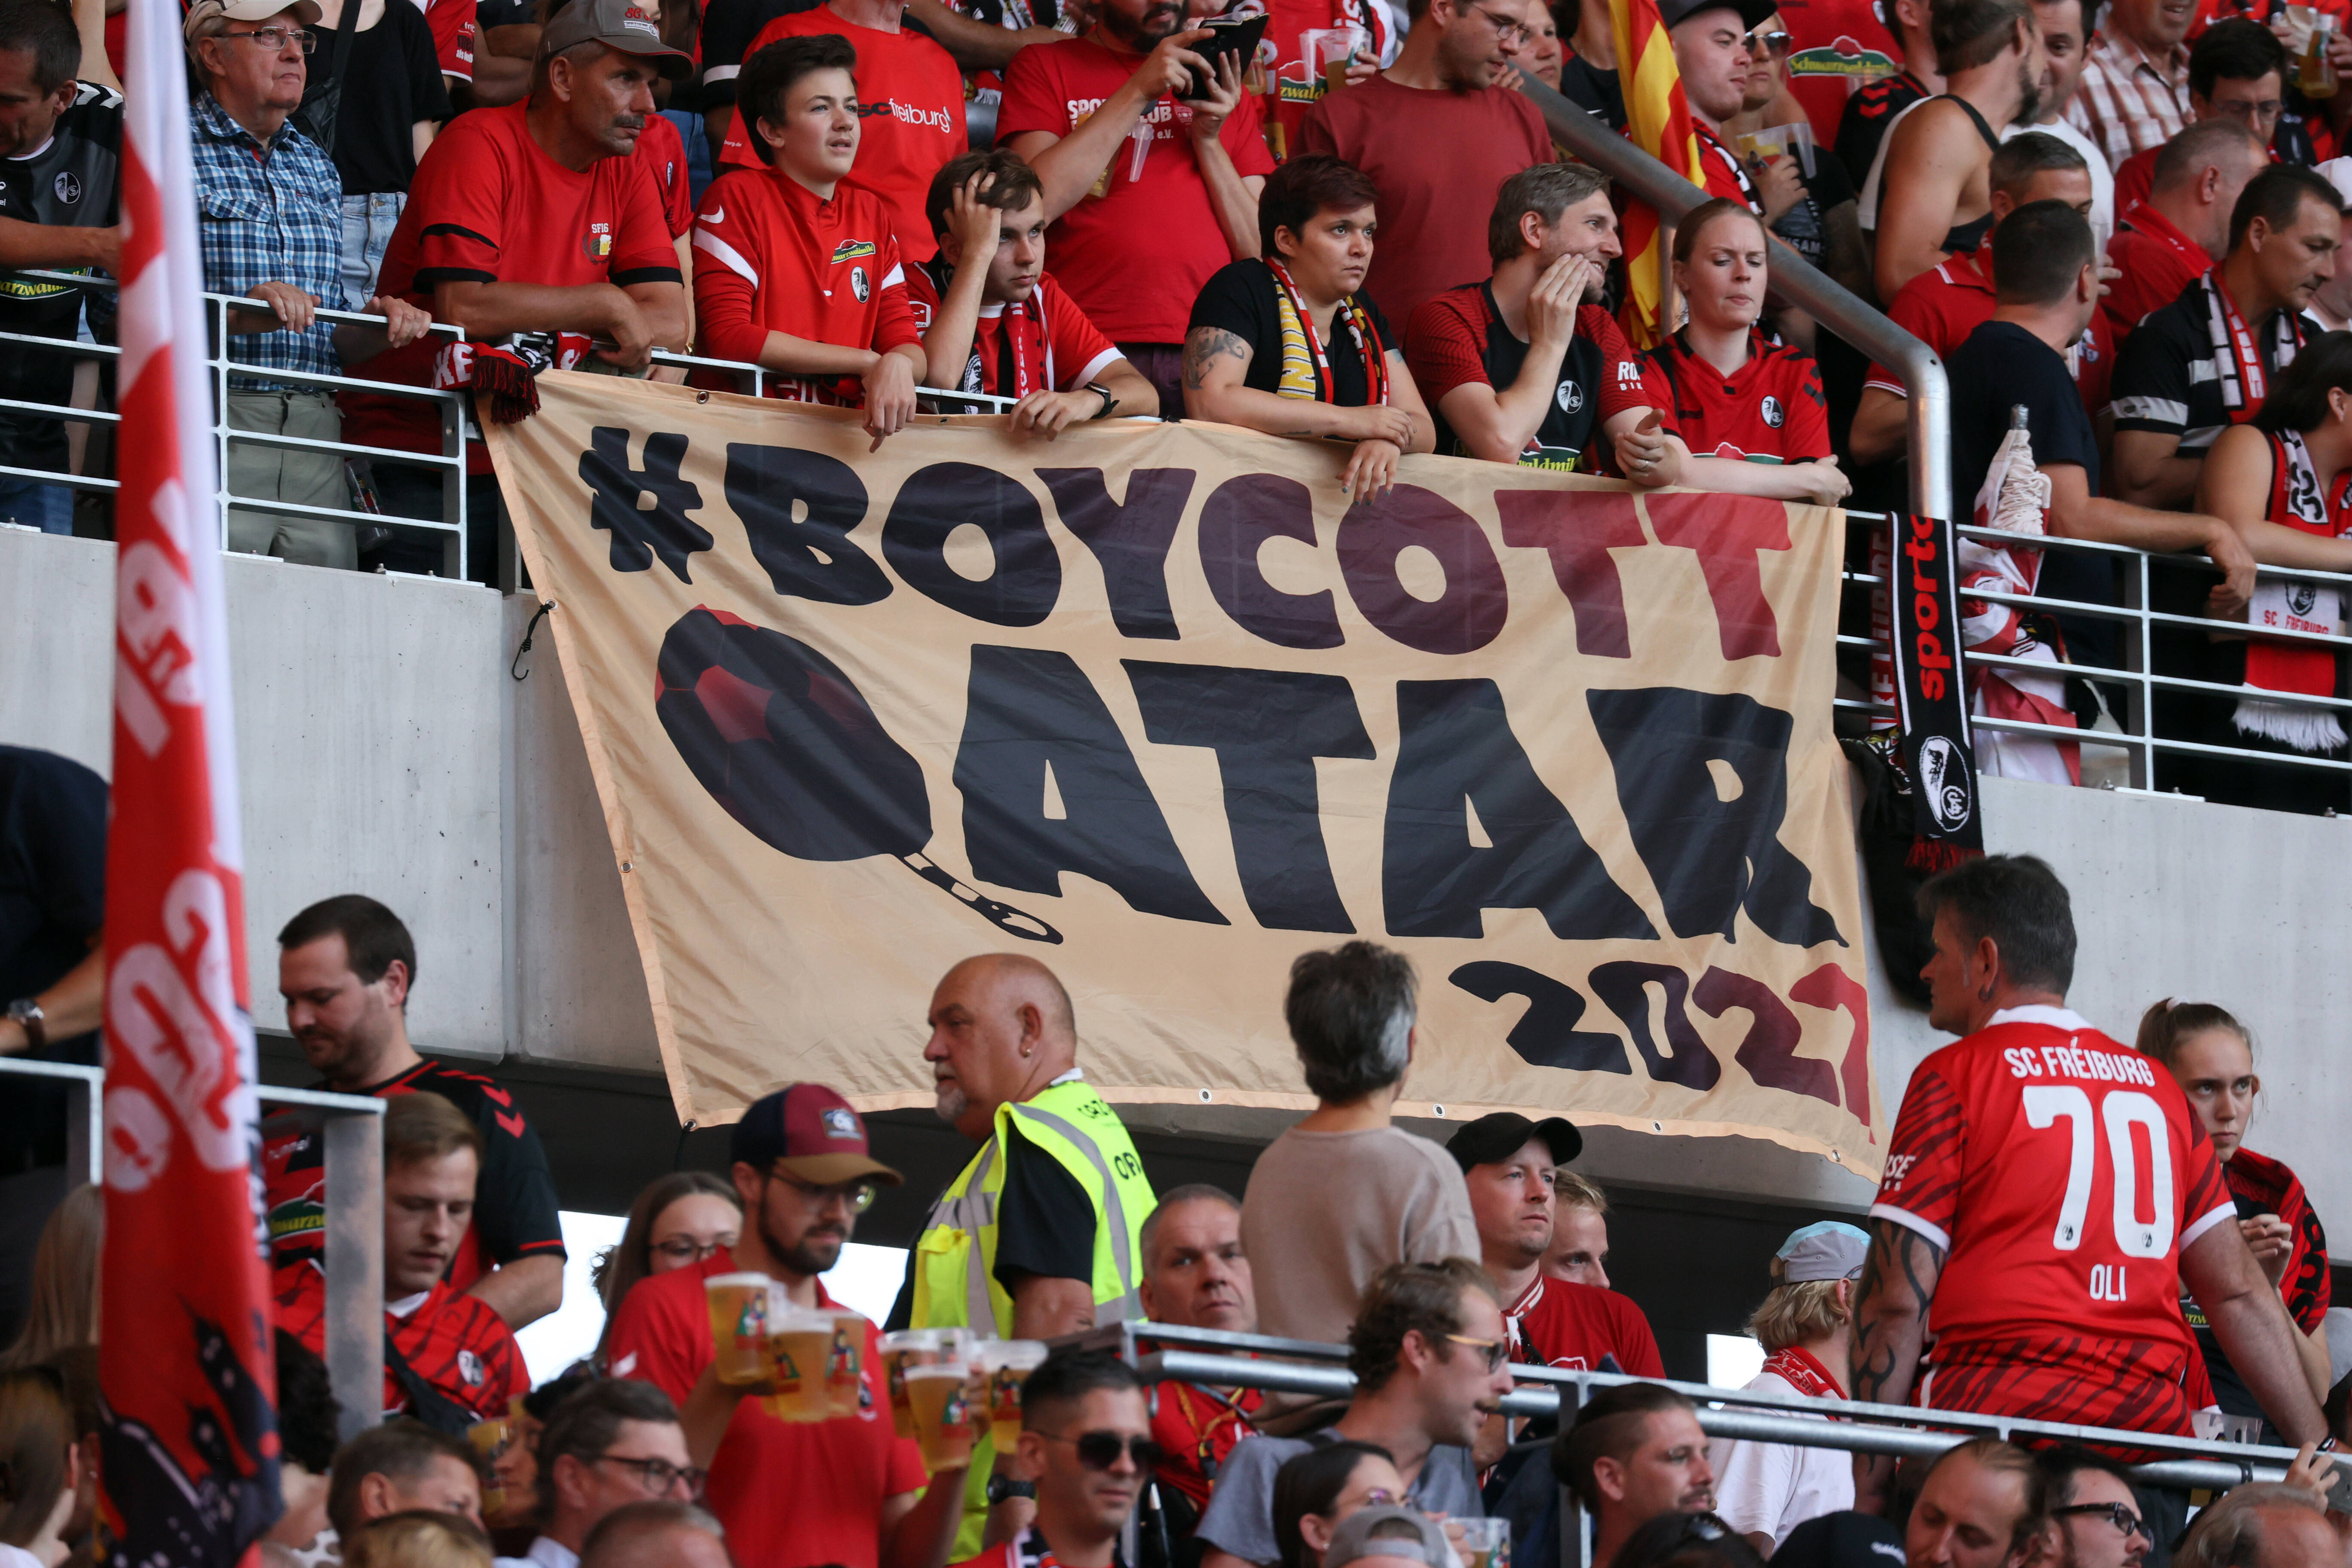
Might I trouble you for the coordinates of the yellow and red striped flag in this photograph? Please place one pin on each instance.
(1658, 119)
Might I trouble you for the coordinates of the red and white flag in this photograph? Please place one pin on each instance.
(185, 1348)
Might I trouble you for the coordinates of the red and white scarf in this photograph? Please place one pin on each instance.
(2305, 669)
(504, 378)
(2236, 356)
(1800, 1369)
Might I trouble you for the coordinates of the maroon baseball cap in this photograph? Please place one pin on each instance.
(808, 1131)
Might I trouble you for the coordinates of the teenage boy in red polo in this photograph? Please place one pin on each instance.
(994, 321)
(911, 96)
(800, 272)
(848, 1491)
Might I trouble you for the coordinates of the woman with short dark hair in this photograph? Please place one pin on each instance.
(1286, 343)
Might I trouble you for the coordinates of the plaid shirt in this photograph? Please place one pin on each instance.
(271, 215)
(2128, 102)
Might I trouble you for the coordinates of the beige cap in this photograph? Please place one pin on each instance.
(306, 12)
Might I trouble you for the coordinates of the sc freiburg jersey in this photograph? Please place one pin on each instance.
(1459, 337)
(777, 257)
(457, 1344)
(1770, 410)
(2062, 1173)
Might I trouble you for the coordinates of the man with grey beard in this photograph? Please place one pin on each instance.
(1931, 190)
(1040, 1235)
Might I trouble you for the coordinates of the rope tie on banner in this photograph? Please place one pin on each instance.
(513, 667)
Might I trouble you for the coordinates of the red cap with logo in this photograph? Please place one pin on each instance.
(808, 1131)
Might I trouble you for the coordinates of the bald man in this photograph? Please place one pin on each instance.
(1040, 1234)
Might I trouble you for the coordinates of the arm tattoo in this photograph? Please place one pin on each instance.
(1204, 346)
(1890, 1314)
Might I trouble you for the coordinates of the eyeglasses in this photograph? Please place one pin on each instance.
(685, 1249)
(275, 38)
(1380, 1497)
(1498, 1351)
(659, 1476)
(2125, 1521)
(1775, 44)
(1505, 30)
(1101, 1450)
(858, 1195)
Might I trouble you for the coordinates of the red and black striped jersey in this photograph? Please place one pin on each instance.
(1770, 410)
(515, 1212)
(2063, 1174)
(457, 1343)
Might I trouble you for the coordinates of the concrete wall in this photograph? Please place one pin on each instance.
(385, 747)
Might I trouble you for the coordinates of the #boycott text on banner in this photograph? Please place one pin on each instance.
(1152, 704)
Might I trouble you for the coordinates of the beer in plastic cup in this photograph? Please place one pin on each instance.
(800, 1350)
(491, 1440)
(946, 1423)
(844, 1371)
(1005, 1365)
(1330, 50)
(907, 1348)
(738, 1325)
(1488, 1542)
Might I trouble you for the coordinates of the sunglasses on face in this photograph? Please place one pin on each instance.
(1101, 1450)
(1496, 1350)
(1774, 43)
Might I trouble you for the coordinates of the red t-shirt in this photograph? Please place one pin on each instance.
(453, 24)
(2267, 1182)
(1834, 47)
(457, 1343)
(2062, 1173)
(663, 152)
(910, 116)
(1561, 1324)
(1135, 257)
(488, 205)
(1943, 305)
(1196, 1429)
(1459, 337)
(1436, 157)
(1772, 408)
(792, 1494)
(1046, 336)
(2157, 261)
(774, 258)
(1298, 81)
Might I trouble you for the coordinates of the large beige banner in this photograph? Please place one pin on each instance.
(1153, 704)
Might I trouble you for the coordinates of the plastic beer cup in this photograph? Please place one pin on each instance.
(1005, 1365)
(945, 1421)
(1488, 1542)
(738, 1325)
(491, 1440)
(799, 1348)
(845, 1370)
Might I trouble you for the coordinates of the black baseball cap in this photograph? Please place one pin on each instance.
(1505, 1132)
(807, 1130)
(1845, 1540)
(1753, 13)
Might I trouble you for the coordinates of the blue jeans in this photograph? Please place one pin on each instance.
(368, 223)
(695, 132)
(49, 507)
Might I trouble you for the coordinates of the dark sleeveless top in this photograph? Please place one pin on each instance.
(1965, 237)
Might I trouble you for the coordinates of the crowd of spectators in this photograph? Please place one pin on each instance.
(1065, 204)
(1449, 1273)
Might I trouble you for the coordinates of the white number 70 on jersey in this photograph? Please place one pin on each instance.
(2120, 1111)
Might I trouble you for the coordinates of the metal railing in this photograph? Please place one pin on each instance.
(1161, 1351)
(221, 368)
(352, 1127)
(1861, 324)
(2135, 680)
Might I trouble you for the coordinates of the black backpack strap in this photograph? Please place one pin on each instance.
(425, 1403)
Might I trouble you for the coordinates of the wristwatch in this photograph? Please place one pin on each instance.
(1110, 400)
(1001, 1488)
(28, 1017)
